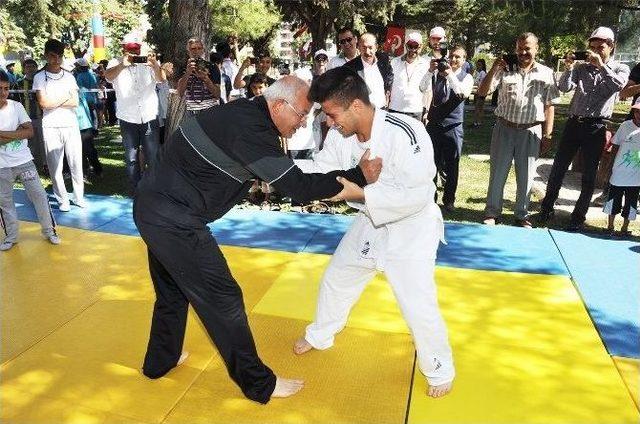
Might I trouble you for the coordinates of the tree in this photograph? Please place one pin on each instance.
(250, 20)
(188, 19)
(323, 16)
(11, 36)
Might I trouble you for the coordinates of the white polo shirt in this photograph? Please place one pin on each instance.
(405, 92)
(135, 86)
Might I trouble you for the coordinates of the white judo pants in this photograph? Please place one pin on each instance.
(361, 253)
(64, 141)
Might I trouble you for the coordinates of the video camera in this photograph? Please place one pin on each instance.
(512, 61)
(144, 59)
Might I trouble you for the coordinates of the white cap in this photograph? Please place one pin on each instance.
(415, 36)
(132, 39)
(437, 32)
(603, 33)
(636, 105)
(319, 52)
(82, 62)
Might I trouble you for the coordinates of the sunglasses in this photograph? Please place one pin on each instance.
(411, 45)
(321, 58)
(346, 40)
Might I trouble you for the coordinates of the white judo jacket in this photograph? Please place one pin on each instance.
(392, 221)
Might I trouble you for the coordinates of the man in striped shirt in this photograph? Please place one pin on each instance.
(200, 84)
(596, 81)
(523, 126)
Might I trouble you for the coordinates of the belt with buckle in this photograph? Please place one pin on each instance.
(588, 119)
(516, 125)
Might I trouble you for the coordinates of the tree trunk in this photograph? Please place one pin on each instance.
(188, 19)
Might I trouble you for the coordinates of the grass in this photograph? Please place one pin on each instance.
(472, 186)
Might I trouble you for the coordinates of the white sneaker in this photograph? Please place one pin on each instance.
(64, 207)
(54, 239)
(6, 245)
(80, 203)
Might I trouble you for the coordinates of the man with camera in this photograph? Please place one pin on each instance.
(262, 64)
(134, 79)
(523, 126)
(200, 83)
(596, 81)
(448, 85)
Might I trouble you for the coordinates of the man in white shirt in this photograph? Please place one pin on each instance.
(57, 93)
(16, 163)
(374, 68)
(348, 41)
(229, 68)
(449, 85)
(408, 71)
(137, 107)
(397, 230)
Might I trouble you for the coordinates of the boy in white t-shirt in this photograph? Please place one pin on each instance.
(16, 163)
(57, 94)
(625, 175)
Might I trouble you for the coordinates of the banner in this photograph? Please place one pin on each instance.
(394, 43)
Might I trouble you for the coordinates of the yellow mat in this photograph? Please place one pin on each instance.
(364, 379)
(629, 370)
(74, 336)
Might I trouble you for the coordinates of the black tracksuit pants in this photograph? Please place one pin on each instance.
(187, 267)
(446, 157)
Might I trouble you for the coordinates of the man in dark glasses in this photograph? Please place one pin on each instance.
(408, 71)
(347, 41)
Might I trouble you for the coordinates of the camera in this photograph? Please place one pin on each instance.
(202, 65)
(254, 61)
(139, 59)
(580, 55)
(443, 61)
(512, 61)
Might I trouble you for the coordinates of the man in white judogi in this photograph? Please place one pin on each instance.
(397, 230)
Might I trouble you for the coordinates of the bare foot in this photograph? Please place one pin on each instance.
(286, 387)
(439, 391)
(182, 358)
(301, 346)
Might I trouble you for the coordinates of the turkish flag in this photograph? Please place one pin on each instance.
(394, 43)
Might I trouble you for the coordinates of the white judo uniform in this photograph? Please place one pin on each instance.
(397, 231)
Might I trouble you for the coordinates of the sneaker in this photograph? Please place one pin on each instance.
(524, 223)
(54, 239)
(64, 207)
(6, 245)
(80, 203)
(489, 220)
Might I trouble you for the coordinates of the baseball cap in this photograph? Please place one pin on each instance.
(437, 32)
(415, 37)
(131, 39)
(82, 62)
(636, 105)
(602, 33)
(321, 52)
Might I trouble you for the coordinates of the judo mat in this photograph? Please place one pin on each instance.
(535, 336)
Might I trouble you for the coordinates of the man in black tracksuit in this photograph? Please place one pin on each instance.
(203, 171)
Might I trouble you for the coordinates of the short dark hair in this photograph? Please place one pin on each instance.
(54, 46)
(215, 57)
(525, 35)
(264, 53)
(342, 85)
(258, 78)
(3, 76)
(224, 49)
(29, 62)
(348, 29)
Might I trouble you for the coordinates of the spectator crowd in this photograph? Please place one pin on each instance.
(50, 116)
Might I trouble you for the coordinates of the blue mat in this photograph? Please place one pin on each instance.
(606, 274)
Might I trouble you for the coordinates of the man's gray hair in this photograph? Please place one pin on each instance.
(286, 88)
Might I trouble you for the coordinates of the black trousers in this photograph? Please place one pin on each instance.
(589, 136)
(89, 152)
(187, 267)
(447, 158)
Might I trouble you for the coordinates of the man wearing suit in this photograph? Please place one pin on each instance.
(375, 69)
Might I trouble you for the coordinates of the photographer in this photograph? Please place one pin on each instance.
(449, 85)
(596, 81)
(134, 79)
(263, 66)
(523, 126)
(200, 83)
